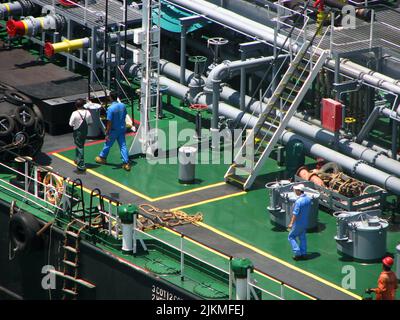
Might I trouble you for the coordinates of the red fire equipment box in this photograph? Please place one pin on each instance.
(332, 114)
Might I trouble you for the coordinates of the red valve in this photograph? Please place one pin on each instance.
(48, 49)
(198, 107)
(320, 4)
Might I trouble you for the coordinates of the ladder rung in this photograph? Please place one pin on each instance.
(72, 234)
(71, 292)
(70, 263)
(71, 249)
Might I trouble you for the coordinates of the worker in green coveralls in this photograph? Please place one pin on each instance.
(79, 121)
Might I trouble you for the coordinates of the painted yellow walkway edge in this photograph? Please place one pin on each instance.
(133, 191)
(265, 254)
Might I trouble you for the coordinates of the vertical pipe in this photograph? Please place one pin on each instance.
(248, 285)
(183, 54)
(126, 29)
(282, 291)
(215, 102)
(371, 36)
(242, 83)
(395, 129)
(105, 76)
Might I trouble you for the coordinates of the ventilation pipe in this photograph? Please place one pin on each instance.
(224, 70)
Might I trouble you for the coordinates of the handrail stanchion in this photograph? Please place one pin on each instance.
(26, 169)
(282, 291)
(230, 278)
(182, 259)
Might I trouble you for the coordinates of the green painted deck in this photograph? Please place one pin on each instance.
(243, 217)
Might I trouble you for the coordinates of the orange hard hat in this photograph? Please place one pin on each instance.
(388, 261)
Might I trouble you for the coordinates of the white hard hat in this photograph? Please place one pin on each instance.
(299, 187)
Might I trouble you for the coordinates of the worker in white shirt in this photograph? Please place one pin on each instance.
(79, 121)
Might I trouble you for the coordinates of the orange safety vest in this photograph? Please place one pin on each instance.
(387, 285)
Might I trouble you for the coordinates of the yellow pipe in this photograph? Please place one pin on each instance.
(66, 46)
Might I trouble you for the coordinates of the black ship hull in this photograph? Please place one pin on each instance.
(114, 278)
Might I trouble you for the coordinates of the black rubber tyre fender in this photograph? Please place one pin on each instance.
(17, 98)
(5, 87)
(39, 128)
(7, 125)
(25, 116)
(37, 111)
(22, 232)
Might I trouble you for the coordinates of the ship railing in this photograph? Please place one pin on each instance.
(183, 252)
(58, 192)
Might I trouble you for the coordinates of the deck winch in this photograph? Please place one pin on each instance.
(361, 235)
(282, 199)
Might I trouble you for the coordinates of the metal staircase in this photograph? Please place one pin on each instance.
(274, 117)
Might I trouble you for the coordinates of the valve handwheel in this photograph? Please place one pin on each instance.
(198, 107)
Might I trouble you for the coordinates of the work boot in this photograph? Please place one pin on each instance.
(126, 166)
(100, 160)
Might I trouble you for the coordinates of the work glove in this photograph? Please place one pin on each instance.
(369, 290)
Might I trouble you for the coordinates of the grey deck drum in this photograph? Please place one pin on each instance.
(95, 129)
(187, 161)
(282, 199)
(361, 235)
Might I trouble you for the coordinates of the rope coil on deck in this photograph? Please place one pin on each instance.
(157, 218)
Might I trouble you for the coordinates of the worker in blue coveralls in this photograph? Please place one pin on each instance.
(299, 222)
(115, 130)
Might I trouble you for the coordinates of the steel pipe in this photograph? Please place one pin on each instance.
(65, 46)
(31, 26)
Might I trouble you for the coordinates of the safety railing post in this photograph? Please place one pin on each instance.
(134, 234)
(35, 180)
(182, 259)
(282, 291)
(248, 285)
(230, 278)
(26, 169)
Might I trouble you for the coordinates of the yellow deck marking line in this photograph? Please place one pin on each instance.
(209, 200)
(147, 198)
(189, 191)
(99, 175)
(227, 257)
(265, 254)
(213, 251)
(220, 232)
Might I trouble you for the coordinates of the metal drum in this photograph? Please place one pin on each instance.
(361, 235)
(187, 160)
(282, 199)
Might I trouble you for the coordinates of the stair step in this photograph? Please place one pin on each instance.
(292, 87)
(71, 292)
(233, 178)
(71, 249)
(286, 97)
(70, 263)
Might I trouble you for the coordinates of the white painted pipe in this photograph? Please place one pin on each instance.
(241, 288)
(127, 237)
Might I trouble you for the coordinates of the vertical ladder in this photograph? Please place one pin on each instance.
(274, 118)
(150, 86)
(71, 259)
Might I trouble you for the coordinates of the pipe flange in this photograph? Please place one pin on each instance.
(197, 97)
(354, 169)
(380, 153)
